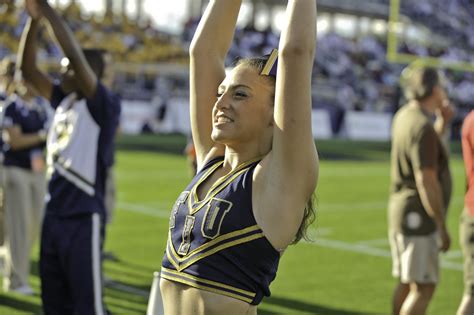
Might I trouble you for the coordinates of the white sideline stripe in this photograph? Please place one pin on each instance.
(454, 254)
(375, 242)
(380, 205)
(153, 211)
(328, 243)
(356, 248)
(451, 265)
(158, 210)
(371, 251)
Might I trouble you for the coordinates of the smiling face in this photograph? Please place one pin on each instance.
(243, 111)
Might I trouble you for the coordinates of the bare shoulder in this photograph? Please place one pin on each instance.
(279, 201)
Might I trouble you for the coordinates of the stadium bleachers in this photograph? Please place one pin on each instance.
(351, 73)
(127, 40)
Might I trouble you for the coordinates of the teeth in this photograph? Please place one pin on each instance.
(223, 119)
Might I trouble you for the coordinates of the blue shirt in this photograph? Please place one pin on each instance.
(215, 244)
(80, 150)
(30, 120)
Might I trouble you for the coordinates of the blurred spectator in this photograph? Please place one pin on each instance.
(420, 190)
(24, 135)
(7, 70)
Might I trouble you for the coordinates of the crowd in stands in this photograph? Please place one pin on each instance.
(354, 74)
(127, 40)
(452, 19)
(350, 73)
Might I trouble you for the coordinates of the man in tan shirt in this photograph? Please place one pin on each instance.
(420, 190)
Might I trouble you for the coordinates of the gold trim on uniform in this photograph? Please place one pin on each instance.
(221, 247)
(222, 285)
(194, 204)
(181, 263)
(193, 198)
(215, 213)
(174, 211)
(192, 281)
(217, 242)
(219, 239)
(186, 235)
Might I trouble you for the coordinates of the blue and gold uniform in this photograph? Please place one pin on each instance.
(215, 244)
(80, 151)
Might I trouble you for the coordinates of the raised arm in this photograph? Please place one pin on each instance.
(27, 59)
(294, 153)
(208, 50)
(85, 76)
(292, 166)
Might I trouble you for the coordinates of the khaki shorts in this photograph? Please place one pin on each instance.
(466, 239)
(415, 258)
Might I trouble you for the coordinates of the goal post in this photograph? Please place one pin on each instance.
(394, 56)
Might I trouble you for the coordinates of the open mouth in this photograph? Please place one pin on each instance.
(222, 119)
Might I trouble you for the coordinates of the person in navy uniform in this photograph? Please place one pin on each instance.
(7, 71)
(24, 134)
(80, 150)
(257, 166)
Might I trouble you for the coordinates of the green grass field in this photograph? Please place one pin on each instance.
(345, 271)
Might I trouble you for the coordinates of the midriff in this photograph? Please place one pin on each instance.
(181, 299)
